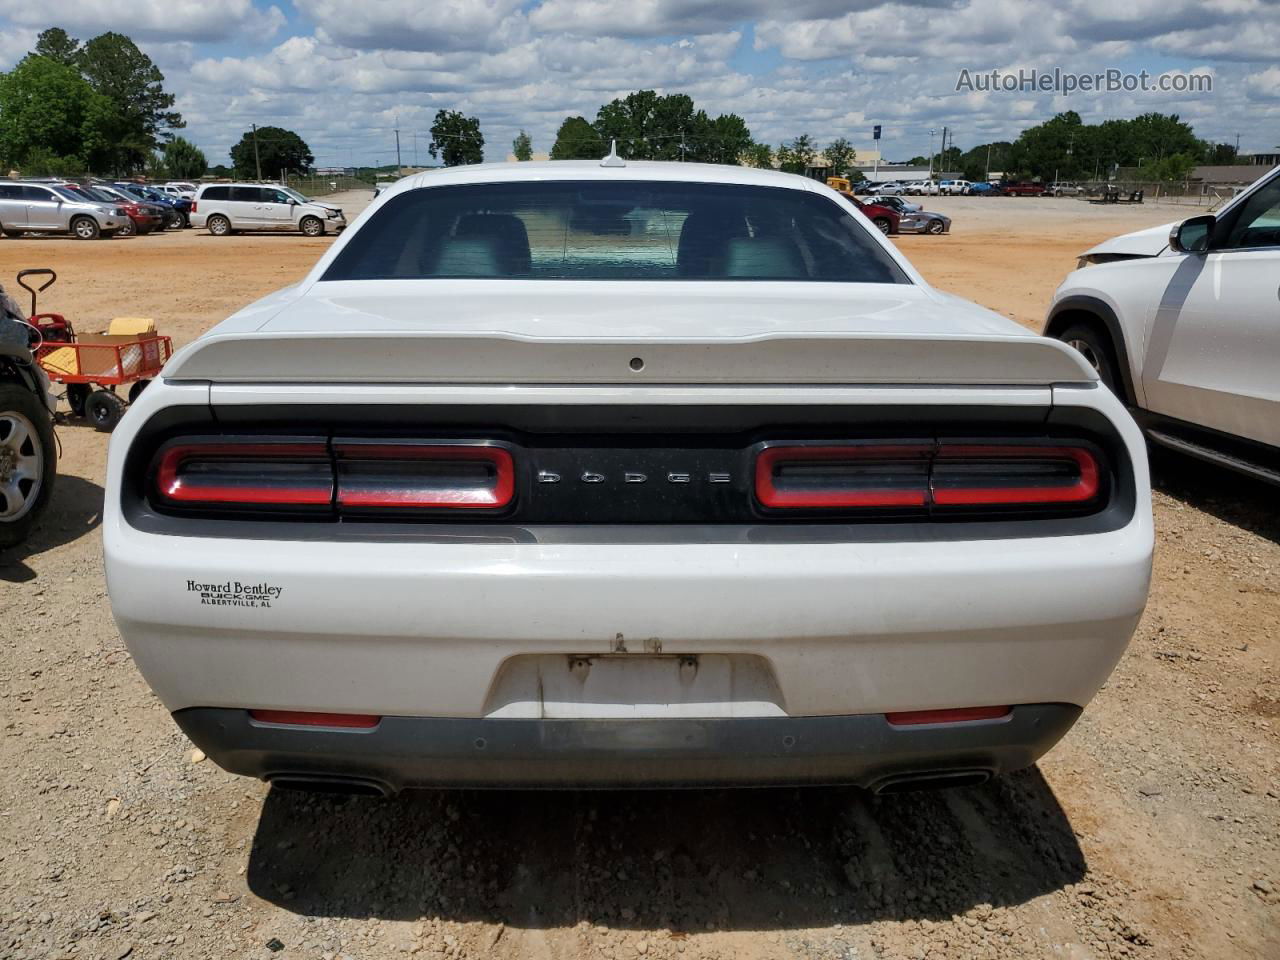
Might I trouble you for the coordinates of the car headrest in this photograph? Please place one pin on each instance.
(508, 233)
(461, 257)
(703, 236)
(763, 257)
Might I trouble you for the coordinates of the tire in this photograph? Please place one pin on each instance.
(933, 226)
(77, 397)
(883, 225)
(104, 410)
(135, 391)
(28, 462)
(86, 228)
(311, 227)
(1096, 347)
(128, 230)
(172, 220)
(218, 226)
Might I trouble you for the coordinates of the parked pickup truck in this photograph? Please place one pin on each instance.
(1023, 189)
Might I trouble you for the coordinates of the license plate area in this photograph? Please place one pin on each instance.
(634, 686)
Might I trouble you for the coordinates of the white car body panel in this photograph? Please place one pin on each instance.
(487, 627)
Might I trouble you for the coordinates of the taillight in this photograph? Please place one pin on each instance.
(281, 473)
(193, 206)
(845, 475)
(938, 476)
(980, 475)
(375, 474)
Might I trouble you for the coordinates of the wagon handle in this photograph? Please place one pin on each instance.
(41, 272)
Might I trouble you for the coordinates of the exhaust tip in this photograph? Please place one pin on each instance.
(349, 786)
(930, 780)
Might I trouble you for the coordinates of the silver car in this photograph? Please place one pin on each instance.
(924, 221)
(47, 208)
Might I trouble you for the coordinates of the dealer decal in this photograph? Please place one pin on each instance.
(233, 593)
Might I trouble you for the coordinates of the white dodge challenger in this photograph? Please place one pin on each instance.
(618, 475)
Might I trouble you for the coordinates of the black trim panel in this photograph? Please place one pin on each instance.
(700, 441)
(410, 752)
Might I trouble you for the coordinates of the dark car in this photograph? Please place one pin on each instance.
(986, 190)
(143, 217)
(179, 208)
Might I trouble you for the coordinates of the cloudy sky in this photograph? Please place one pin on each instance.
(343, 73)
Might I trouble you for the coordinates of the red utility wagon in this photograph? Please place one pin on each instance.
(93, 365)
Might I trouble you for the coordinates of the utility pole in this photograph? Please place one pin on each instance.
(1237, 144)
(415, 149)
(988, 176)
(257, 161)
(399, 168)
(931, 131)
(942, 154)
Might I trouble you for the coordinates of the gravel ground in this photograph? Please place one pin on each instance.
(1151, 831)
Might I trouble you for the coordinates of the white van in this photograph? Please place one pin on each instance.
(224, 208)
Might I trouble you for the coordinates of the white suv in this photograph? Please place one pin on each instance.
(1182, 323)
(225, 208)
(954, 188)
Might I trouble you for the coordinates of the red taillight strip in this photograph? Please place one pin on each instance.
(495, 496)
(1081, 489)
(908, 718)
(770, 496)
(172, 486)
(300, 718)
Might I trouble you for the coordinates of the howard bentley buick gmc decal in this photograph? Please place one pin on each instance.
(233, 593)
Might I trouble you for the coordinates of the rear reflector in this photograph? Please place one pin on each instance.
(958, 715)
(925, 474)
(299, 718)
(282, 473)
(424, 476)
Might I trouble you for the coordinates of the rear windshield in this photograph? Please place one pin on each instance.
(632, 230)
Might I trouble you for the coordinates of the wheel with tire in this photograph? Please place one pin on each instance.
(104, 410)
(28, 462)
(883, 225)
(933, 226)
(219, 226)
(77, 397)
(312, 227)
(172, 219)
(86, 228)
(1097, 349)
(128, 230)
(135, 391)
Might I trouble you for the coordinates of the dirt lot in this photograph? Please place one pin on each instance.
(1151, 831)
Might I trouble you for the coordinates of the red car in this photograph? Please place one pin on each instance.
(1023, 189)
(886, 219)
(143, 217)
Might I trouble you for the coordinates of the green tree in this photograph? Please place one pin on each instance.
(183, 160)
(522, 146)
(758, 155)
(798, 155)
(577, 140)
(1177, 166)
(57, 46)
(278, 150)
(723, 140)
(840, 156)
(45, 110)
(119, 71)
(456, 139)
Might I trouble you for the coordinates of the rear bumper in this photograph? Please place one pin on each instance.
(410, 752)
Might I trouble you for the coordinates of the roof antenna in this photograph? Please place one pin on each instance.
(613, 160)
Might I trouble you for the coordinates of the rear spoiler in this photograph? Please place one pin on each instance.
(503, 358)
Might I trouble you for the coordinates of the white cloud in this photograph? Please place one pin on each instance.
(198, 20)
(415, 25)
